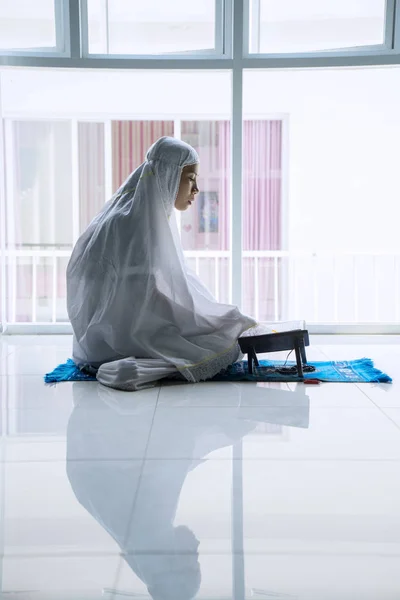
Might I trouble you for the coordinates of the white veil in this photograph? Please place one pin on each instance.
(129, 290)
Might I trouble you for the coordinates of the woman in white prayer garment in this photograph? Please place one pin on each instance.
(138, 313)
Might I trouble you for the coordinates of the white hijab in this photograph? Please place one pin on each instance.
(129, 290)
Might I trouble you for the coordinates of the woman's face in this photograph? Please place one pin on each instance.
(187, 188)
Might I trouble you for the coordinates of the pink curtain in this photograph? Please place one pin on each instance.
(262, 214)
(211, 140)
(262, 163)
(130, 142)
(262, 166)
(206, 225)
(262, 179)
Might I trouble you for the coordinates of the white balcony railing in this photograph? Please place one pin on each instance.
(346, 287)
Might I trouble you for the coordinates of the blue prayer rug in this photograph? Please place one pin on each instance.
(352, 371)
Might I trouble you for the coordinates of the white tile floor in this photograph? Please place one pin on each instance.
(293, 491)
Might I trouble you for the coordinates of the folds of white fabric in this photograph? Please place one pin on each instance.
(130, 291)
(131, 374)
(134, 374)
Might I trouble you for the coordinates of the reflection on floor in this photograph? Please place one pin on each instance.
(213, 490)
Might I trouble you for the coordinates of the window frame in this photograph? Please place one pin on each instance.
(234, 58)
(72, 49)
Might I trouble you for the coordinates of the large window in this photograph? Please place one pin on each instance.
(292, 109)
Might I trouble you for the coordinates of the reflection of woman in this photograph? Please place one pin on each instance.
(138, 313)
(136, 501)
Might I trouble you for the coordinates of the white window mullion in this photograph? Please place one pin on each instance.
(2, 221)
(237, 156)
(53, 195)
(178, 129)
(75, 180)
(10, 221)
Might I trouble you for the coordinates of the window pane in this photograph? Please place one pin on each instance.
(39, 196)
(315, 25)
(156, 27)
(325, 201)
(27, 25)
